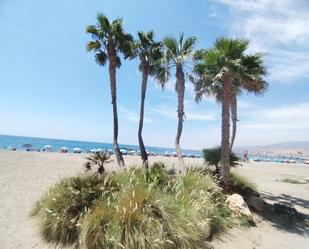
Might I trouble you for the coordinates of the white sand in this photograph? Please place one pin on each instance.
(267, 235)
(24, 176)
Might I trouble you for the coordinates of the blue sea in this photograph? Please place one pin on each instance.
(9, 142)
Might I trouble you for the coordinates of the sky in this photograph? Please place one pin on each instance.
(51, 86)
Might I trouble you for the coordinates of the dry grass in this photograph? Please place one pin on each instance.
(129, 209)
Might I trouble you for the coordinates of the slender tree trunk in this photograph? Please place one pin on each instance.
(234, 118)
(180, 88)
(112, 77)
(225, 133)
(145, 73)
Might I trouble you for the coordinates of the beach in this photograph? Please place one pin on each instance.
(25, 176)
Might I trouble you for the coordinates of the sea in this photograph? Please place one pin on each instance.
(9, 142)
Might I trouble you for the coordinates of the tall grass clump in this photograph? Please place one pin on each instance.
(241, 183)
(126, 209)
(62, 207)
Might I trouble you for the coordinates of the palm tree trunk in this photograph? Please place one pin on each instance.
(144, 155)
(112, 77)
(234, 118)
(180, 88)
(225, 133)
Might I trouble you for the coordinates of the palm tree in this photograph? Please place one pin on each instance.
(220, 70)
(178, 53)
(235, 92)
(149, 52)
(108, 41)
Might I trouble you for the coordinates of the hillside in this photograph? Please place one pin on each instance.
(287, 148)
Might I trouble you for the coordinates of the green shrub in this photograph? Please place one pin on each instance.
(243, 221)
(140, 218)
(61, 208)
(125, 210)
(213, 157)
(98, 160)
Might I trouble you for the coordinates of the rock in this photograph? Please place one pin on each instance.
(256, 203)
(239, 207)
(206, 230)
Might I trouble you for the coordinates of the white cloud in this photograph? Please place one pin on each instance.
(244, 104)
(279, 28)
(274, 124)
(132, 116)
(170, 113)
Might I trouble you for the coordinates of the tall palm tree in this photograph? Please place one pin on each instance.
(108, 41)
(235, 92)
(149, 52)
(215, 71)
(177, 55)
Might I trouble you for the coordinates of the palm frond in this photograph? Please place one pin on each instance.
(161, 71)
(101, 58)
(188, 45)
(171, 46)
(103, 23)
(93, 46)
(95, 32)
(125, 44)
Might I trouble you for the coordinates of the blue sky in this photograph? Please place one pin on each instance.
(51, 87)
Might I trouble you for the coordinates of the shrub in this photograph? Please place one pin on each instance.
(293, 181)
(98, 159)
(140, 218)
(243, 221)
(61, 208)
(125, 210)
(213, 157)
(240, 183)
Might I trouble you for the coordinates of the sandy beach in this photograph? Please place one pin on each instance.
(24, 176)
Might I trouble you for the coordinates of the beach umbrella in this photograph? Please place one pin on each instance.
(77, 150)
(48, 148)
(123, 151)
(64, 149)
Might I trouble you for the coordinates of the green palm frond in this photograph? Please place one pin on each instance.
(101, 58)
(161, 71)
(228, 59)
(189, 45)
(171, 46)
(112, 33)
(231, 48)
(93, 46)
(103, 23)
(99, 160)
(95, 33)
(124, 43)
(151, 54)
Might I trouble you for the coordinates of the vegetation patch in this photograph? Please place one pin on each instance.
(132, 209)
(213, 157)
(242, 184)
(293, 181)
(243, 221)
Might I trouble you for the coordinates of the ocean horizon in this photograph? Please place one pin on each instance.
(13, 141)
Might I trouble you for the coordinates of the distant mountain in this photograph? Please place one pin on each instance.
(286, 148)
(287, 145)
